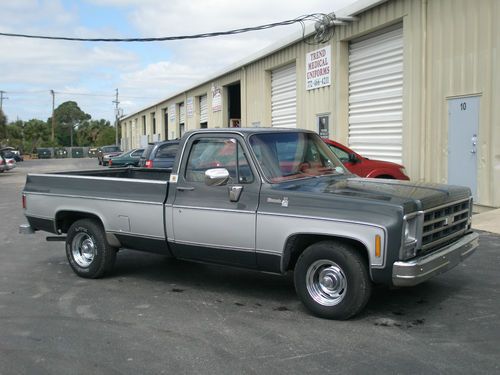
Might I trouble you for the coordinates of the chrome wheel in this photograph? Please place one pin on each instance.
(83, 249)
(326, 282)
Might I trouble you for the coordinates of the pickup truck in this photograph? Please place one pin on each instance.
(272, 200)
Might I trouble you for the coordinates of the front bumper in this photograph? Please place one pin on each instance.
(418, 270)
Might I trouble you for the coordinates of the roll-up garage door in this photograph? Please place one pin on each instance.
(376, 96)
(182, 113)
(284, 97)
(203, 109)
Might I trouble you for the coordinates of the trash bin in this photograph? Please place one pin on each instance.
(60, 153)
(77, 152)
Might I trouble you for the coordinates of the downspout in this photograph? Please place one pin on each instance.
(423, 98)
(245, 99)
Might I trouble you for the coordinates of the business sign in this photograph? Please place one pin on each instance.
(189, 106)
(216, 99)
(318, 68)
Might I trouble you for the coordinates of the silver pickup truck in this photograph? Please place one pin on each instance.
(264, 199)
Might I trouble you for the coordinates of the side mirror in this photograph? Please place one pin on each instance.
(216, 177)
(353, 158)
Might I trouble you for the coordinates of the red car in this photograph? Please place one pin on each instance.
(365, 167)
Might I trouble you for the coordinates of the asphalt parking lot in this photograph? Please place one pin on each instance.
(155, 315)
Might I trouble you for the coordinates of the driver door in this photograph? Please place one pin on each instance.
(208, 223)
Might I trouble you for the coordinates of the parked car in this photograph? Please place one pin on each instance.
(105, 152)
(10, 163)
(365, 167)
(44, 153)
(159, 154)
(3, 163)
(11, 152)
(128, 158)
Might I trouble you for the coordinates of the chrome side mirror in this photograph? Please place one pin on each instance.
(216, 177)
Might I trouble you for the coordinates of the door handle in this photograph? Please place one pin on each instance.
(235, 193)
(185, 188)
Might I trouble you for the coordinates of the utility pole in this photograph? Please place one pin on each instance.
(53, 118)
(2, 99)
(116, 117)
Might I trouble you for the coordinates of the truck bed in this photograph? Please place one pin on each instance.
(128, 201)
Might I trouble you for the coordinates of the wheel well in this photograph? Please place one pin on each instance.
(297, 243)
(64, 219)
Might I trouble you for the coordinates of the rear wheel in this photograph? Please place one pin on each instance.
(87, 250)
(332, 280)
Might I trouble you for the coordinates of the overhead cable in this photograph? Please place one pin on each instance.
(326, 19)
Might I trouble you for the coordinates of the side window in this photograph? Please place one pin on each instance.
(216, 153)
(137, 153)
(341, 154)
(167, 151)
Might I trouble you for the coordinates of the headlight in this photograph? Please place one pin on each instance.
(403, 171)
(412, 228)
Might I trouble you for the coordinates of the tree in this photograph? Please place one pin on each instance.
(90, 131)
(3, 127)
(36, 132)
(68, 116)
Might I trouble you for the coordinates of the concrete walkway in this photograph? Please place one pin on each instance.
(487, 221)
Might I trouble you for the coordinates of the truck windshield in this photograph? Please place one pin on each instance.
(294, 155)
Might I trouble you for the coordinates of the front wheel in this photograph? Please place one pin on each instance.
(87, 250)
(332, 280)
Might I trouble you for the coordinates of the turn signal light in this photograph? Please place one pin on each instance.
(24, 201)
(378, 246)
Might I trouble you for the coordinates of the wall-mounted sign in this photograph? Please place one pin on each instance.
(171, 112)
(323, 126)
(318, 68)
(189, 106)
(216, 99)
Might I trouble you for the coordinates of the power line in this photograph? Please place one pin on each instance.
(320, 18)
(36, 92)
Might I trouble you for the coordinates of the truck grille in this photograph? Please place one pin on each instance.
(443, 224)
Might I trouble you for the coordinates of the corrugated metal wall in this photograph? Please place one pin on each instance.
(451, 49)
(463, 59)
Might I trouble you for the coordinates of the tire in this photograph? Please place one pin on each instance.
(89, 254)
(332, 280)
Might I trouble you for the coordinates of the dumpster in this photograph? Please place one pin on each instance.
(60, 153)
(77, 152)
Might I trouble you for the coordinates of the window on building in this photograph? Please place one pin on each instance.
(153, 122)
(144, 125)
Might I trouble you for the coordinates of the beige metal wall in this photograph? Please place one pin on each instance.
(451, 48)
(463, 47)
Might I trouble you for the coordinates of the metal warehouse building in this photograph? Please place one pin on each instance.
(410, 81)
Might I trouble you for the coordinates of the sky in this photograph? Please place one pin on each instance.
(143, 73)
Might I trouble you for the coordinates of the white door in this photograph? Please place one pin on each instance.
(284, 97)
(463, 127)
(376, 96)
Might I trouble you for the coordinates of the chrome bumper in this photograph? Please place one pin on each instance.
(418, 270)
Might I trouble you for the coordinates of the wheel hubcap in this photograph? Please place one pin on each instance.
(326, 282)
(83, 249)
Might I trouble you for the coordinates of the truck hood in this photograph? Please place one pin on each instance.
(412, 196)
